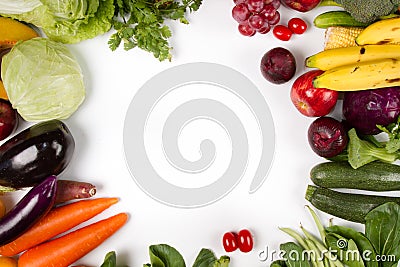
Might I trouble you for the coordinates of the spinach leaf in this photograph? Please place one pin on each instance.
(206, 258)
(332, 242)
(164, 255)
(345, 250)
(278, 263)
(110, 260)
(382, 227)
(363, 244)
(294, 255)
(353, 256)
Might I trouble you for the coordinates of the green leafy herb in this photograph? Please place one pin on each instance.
(338, 246)
(364, 149)
(393, 132)
(163, 255)
(140, 23)
(361, 152)
(206, 258)
(278, 263)
(110, 260)
(361, 244)
(354, 258)
(382, 227)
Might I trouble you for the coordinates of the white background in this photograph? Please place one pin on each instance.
(112, 79)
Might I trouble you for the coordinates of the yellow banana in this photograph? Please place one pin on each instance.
(336, 57)
(361, 76)
(381, 32)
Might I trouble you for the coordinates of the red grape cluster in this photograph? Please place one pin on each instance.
(256, 15)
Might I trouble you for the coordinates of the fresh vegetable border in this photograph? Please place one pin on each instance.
(388, 212)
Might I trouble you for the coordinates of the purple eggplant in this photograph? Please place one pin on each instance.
(30, 209)
(39, 151)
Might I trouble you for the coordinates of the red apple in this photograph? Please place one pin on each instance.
(311, 101)
(8, 119)
(301, 5)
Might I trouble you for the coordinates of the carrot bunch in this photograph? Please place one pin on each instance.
(39, 246)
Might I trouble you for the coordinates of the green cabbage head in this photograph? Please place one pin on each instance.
(43, 80)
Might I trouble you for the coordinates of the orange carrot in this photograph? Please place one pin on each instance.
(57, 221)
(65, 250)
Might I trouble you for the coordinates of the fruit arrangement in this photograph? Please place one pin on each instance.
(262, 16)
(366, 74)
(359, 66)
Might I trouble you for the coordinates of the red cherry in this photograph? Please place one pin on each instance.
(245, 240)
(229, 241)
(282, 32)
(297, 25)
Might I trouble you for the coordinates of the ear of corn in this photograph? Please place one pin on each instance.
(342, 36)
(339, 36)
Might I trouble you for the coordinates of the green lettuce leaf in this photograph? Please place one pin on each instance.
(97, 24)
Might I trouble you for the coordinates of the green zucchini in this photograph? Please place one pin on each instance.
(348, 206)
(374, 176)
(336, 18)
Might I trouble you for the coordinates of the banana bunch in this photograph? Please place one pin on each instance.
(374, 63)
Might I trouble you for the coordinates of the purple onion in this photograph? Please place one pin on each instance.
(327, 137)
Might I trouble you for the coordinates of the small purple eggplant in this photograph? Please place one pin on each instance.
(30, 209)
